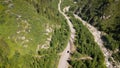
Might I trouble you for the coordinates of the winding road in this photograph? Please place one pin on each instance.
(97, 36)
(65, 56)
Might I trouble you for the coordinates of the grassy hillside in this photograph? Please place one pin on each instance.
(25, 27)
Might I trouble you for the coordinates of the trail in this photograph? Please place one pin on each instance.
(65, 56)
(98, 40)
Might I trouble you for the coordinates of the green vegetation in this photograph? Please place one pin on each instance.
(4, 51)
(85, 47)
(23, 27)
(87, 53)
(105, 15)
(58, 37)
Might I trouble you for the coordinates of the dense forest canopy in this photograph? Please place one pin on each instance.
(105, 15)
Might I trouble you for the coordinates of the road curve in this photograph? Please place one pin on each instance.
(65, 56)
(97, 37)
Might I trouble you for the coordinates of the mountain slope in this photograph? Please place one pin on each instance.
(31, 33)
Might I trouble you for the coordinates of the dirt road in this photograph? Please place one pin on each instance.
(65, 56)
